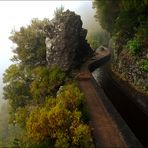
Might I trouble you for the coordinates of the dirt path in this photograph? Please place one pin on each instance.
(105, 131)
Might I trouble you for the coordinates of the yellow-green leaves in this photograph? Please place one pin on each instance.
(30, 40)
(46, 81)
(60, 121)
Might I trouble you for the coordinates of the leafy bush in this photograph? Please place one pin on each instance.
(16, 143)
(142, 31)
(106, 12)
(144, 65)
(60, 121)
(46, 81)
(134, 46)
(30, 41)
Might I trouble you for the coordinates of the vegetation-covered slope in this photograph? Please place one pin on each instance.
(45, 101)
(127, 22)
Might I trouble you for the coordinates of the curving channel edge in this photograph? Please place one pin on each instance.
(109, 129)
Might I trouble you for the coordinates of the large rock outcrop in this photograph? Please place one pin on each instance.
(65, 42)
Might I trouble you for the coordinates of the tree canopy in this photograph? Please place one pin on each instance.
(30, 41)
(45, 104)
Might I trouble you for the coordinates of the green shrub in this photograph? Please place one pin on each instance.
(142, 31)
(144, 65)
(46, 81)
(134, 46)
(60, 121)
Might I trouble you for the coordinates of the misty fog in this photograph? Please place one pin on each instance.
(87, 15)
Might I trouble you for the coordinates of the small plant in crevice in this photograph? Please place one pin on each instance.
(144, 65)
(134, 46)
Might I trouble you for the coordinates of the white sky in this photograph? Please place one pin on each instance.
(14, 14)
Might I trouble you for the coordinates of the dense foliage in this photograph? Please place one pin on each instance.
(124, 19)
(144, 65)
(106, 13)
(45, 104)
(16, 88)
(134, 46)
(127, 22)
(59, 120)
(30, 43)
(46, 82)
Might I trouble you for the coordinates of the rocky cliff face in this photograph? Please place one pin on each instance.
(130, 70)
(65, 42)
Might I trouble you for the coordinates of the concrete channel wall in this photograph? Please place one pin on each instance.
(109, 129)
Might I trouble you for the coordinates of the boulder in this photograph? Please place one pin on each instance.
(66, 45)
